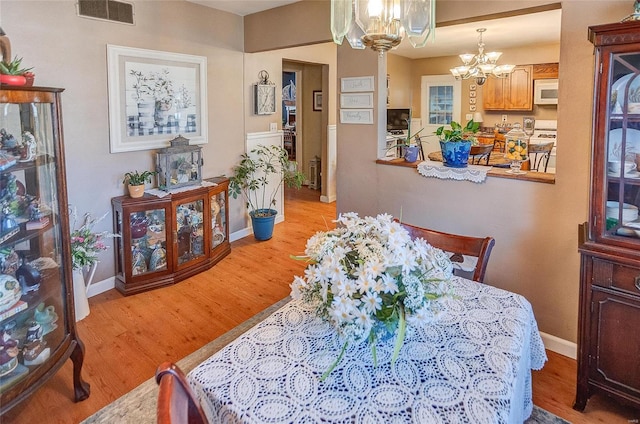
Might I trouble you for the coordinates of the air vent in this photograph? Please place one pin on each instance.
(107, 10)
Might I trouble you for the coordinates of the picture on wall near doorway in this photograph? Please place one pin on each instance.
(154, 96)
(317, 101)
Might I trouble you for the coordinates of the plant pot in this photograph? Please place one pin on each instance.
(411, 153)
(455, 154)
(262, 221)
(13, 79)
(136, 191)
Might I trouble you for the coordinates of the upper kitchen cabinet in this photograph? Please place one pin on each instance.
(512, 93)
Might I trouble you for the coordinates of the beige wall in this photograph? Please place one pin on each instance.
(399, 71)
(535, 225)
(70, 52)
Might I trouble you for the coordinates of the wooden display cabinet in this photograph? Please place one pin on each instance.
(512, 93)
(609, 317)
(167, 239)
(37, 321)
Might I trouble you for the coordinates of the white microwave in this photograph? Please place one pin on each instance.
(545, 92)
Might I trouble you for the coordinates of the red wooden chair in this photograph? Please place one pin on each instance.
(176, 402)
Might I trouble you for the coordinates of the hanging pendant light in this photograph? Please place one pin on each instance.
(481, 65)
(382, 24)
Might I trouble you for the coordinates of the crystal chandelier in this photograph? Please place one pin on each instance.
(382, 24)
(481, 65)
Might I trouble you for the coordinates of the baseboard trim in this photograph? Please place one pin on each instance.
(558, 345)
(327, 199)
(101, 286)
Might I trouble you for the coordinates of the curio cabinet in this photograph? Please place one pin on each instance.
(609, 244)
(37, 322)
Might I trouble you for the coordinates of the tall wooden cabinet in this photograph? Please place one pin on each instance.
(167, 239)
(37, 322)
(512, 93)
(608, 339)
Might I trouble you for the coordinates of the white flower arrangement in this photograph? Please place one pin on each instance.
(368, 279)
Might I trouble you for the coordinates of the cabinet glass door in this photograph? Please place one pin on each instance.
(190, 230)
(32, 289)
(218, 219)
(148, 241)
(622, 152)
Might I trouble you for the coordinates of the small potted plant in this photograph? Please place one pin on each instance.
(456, 143)
(12, 73)
(136, 181)
(258, 178)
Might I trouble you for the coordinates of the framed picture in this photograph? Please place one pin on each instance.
(356, 100)
(472, 87)
(472, 101)
(356, 84)
(356, 116)
(472, 94)
(153, 97)
(317, 101)
(472, 108)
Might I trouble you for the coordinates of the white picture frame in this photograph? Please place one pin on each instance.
(356, 100)
(356, 116)
(357, 84)
(153, 97)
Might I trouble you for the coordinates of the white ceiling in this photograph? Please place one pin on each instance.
(517, 31)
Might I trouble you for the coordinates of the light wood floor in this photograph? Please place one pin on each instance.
(127, 337)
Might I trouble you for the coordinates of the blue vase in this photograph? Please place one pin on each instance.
(262, 221)
(411, 153)
(455, 154)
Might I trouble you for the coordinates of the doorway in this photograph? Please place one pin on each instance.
(441, 103)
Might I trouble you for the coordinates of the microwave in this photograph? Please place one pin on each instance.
(545, 92)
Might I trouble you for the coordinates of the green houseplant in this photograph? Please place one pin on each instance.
(136, 181)
(411, 148)
(12, 73)
(259, 177)
(456, 142)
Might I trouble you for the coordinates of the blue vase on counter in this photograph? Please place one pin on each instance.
(411, 153)
(455, 154)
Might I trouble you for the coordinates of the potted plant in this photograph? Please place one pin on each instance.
(456, 142)
(258, 178)
(12, 73)
(136, 181)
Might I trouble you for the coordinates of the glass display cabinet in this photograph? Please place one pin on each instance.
(37, 322)
(609, 244)
(167, 239)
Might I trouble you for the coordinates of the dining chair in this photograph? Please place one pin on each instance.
(176, 402)
(469, 254)
(480, 152)
(539, 154)
(420, 148)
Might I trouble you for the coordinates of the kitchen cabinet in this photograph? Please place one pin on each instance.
(609, 309)
(545, 71)
(167, 239)
(512, 93)
(37, 318)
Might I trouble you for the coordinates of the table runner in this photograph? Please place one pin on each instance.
(475, 173)
(472, 365)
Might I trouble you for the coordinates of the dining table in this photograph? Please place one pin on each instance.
(471, 363)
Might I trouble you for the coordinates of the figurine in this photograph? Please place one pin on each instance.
(28, 148)
(28, 276)
(8, 141)
(635, 16)
(8, 353)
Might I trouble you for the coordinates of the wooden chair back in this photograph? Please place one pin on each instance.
(539, 155)
(480, 152)
(458, 245)
(176, 402)
(420, 148)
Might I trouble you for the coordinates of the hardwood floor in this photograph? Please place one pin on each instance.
(127, 337)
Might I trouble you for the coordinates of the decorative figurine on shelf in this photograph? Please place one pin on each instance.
(8, 141)
(8, 353)
(7, 221)
(36, 219)
(46, 316)
(28, 147)
(28, 277)
(635, 16)
(35, 351)
(158, 259)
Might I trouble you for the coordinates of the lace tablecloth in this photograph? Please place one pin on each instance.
(473, 365)
(475, 173)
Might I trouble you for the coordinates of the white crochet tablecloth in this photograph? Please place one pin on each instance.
(473, 365)
(475, 173)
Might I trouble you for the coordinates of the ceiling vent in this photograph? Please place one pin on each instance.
(107, 10)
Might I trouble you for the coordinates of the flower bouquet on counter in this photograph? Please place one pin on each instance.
(369, 279)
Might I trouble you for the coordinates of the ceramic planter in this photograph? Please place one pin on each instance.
(262, 221)
(455, 154)
(136, 190)
(411, 153)
(13, 79)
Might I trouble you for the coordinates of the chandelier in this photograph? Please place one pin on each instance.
(382, 24)
(481, 65)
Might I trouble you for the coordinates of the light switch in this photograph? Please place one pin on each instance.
(273, 127)
(469, 116)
